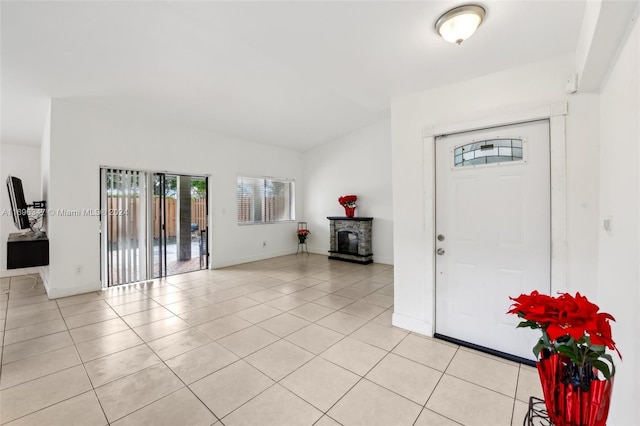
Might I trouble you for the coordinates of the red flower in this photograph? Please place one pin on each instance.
(534, 307)
(556, 331)
(348, 200)
(570, 325)
(575, 315)
(601, 333)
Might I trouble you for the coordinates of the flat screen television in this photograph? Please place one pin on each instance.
(18, 204)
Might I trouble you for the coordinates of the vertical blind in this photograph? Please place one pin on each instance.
(125, 216)
(263, 200)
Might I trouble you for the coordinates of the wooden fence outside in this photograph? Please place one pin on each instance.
(127, 225)
(271, 209)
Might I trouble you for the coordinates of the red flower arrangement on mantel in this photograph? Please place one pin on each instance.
(349, 204)
(571, 352)
(348, 200)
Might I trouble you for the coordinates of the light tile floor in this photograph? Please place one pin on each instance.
(295, 340)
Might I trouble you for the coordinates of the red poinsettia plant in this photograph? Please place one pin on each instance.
(348, 200)
(571, 326)
(303, 232)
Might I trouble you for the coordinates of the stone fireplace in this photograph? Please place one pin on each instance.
(350, 239)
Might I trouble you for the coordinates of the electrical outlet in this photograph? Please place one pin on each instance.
(264, 243)
(78, 269)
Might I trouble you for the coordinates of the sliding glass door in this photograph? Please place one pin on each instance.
(179, 224)
(156, 225)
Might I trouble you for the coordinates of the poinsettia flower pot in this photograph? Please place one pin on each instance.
(574, 396)
(349, 211)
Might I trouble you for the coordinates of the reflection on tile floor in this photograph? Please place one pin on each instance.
(285, 341)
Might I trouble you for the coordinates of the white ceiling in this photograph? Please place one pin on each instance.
(292, 74)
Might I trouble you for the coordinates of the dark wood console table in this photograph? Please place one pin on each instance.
(27, 250)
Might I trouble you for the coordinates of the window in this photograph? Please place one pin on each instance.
(263, 200)
(488, 151)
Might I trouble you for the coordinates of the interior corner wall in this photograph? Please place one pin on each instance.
(45, 166)
(358, 163)
(510, 91)
(83, 138)
(619, 261)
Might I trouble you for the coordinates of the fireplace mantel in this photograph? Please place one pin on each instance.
(350, 239)
(369, 219)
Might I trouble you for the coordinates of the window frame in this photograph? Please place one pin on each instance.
(289, 199)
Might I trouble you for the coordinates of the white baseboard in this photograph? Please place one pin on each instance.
(57, 293)
(215, 264)
(412, 324)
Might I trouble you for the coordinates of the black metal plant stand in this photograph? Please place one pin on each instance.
(537, 414)
(302, 241)
(302, 247)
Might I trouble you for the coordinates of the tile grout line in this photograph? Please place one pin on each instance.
(424, 407)
(144, 342)
(515, 396)
(179, 378)
(284, 338)
(307, 362)
(58, 371)
(368, 321)
(186, 386)
(84, 367)
(363, 377)
(4, 327)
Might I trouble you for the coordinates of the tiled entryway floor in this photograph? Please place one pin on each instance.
(295, 340)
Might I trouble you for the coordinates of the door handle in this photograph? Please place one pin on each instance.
(440, 251)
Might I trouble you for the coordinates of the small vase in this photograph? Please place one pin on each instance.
(302, 239)
(349, 211)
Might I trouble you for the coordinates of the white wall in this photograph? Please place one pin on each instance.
(619, 275)
(602, 181)
(513, 90)
(22, 161)
(358, 163)
(45, 171)
(582, 186)
(85, 138)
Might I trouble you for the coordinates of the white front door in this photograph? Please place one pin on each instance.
(493, 229)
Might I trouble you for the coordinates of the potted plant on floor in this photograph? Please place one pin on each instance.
(575, 371)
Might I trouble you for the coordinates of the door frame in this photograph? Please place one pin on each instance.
(556, 114)
(149, 217)
(162, 232)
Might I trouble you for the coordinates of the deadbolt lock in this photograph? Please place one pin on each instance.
(440, 237)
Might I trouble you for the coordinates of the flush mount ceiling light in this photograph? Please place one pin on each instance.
(460, 23)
